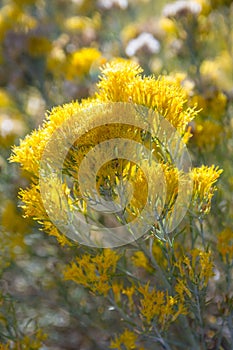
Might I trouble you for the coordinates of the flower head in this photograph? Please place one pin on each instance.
(225, 245)
(94, 272)
(127, 339)
(204, 179)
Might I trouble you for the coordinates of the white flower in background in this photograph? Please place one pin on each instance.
(181, 7)
(144, 40)
(108, 4)
(6, 126)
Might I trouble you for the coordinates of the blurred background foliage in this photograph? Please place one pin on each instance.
(50, 54)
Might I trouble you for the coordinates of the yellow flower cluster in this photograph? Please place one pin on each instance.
(212, 104)
(207, 134)
(81, 23)
(12, 16)
(94, 272)
(80, 62)
(204, 179)
(126, 340)
(12, 231)
(4, 346)
(194, 269)
(5, 99)
(140, 260)
(11, 121)
(121, 81)
(34, 342)
(38, 46)
(160, 307)
(225, 245)
(119, 290)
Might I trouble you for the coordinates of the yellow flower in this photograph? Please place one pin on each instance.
(204, 179)
(80, 62)
(11, 220)
(194, 269)
(30, 151)
(53, 231)
(158, 253)
(38, 46)
(5, 99)
(212, 104)
(159, 305)
(121, 81)
(140, 260)
(94, 272)
(127, 339)
(34, 342)
(225, 245)
(8, 15)
(32, 203)
(181, 288)
(117, 288)
(12, 16)
(129, 292)
(207, 134)
(205, 6)
(218, 70)
(12, 230)
(169, 26)
(81, 23)
(25, 23)
(56, 61)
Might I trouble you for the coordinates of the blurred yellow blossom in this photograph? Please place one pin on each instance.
(32, 342)
(80, 23)
(56, 61)
(5, 99)
(225, 245)
(169, 26)
(38, 46)
(218, 70)
(205, 7)
(212, 104)
(140, 260)
(207, 134)
(117, 288)
(8, 15)
(25, 23)
(13, 17)
(4, 346)
(129, 32)
(80, 62)
(127, 339)
(158, 253)
(129, 292)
